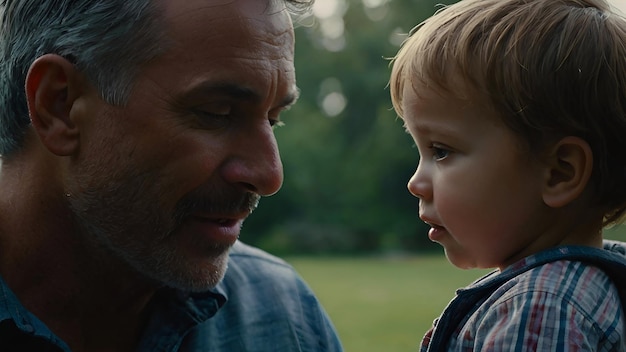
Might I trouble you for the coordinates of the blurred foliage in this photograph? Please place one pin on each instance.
(346, 156)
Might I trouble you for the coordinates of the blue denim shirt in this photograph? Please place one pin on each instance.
(261, 305)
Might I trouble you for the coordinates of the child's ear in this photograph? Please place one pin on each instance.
(52, 86)
(568, 170)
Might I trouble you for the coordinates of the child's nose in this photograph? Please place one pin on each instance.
(419, 184)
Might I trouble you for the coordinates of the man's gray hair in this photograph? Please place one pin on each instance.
(107, 40)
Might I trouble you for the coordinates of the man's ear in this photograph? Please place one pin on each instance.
(568, 171)
(52, 85)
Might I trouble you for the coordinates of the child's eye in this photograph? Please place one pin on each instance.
(439, 153)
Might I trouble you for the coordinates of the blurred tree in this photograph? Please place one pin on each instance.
(347, 158)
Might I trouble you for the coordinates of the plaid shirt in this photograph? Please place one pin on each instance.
(560, 305)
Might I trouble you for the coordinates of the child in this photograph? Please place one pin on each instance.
(518, 110)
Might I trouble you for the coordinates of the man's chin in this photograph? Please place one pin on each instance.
(197, 277)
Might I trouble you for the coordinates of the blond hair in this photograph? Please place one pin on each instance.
(550, 68)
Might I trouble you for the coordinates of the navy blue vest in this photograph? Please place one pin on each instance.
(611, 259)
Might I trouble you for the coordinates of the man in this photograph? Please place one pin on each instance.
(136, 136)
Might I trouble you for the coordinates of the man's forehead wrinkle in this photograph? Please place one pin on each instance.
(278, 29)
(270, 8)
(196, 12)
(280, 11)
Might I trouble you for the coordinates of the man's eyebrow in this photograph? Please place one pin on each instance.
(290, 99)
(240, 92)
(226, 89)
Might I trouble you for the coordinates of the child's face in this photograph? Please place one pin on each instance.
(478, 191)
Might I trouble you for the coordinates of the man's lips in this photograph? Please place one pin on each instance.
(220, 229)
(224, 219)
(219, 221)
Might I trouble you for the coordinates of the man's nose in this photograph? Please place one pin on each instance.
(254, 163)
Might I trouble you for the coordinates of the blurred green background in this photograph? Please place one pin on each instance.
(344, 217)
(346, 156)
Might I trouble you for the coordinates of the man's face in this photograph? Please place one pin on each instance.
(165, 182)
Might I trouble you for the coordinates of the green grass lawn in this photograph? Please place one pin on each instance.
(384, 304)
(380, 304)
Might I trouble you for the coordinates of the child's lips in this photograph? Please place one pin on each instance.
(436, 231)
(429, 221)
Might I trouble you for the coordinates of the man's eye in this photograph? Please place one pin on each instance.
(274, 117)
(211, 120)
(439, 153)
(275, 123)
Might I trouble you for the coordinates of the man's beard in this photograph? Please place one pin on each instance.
(123, 214)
